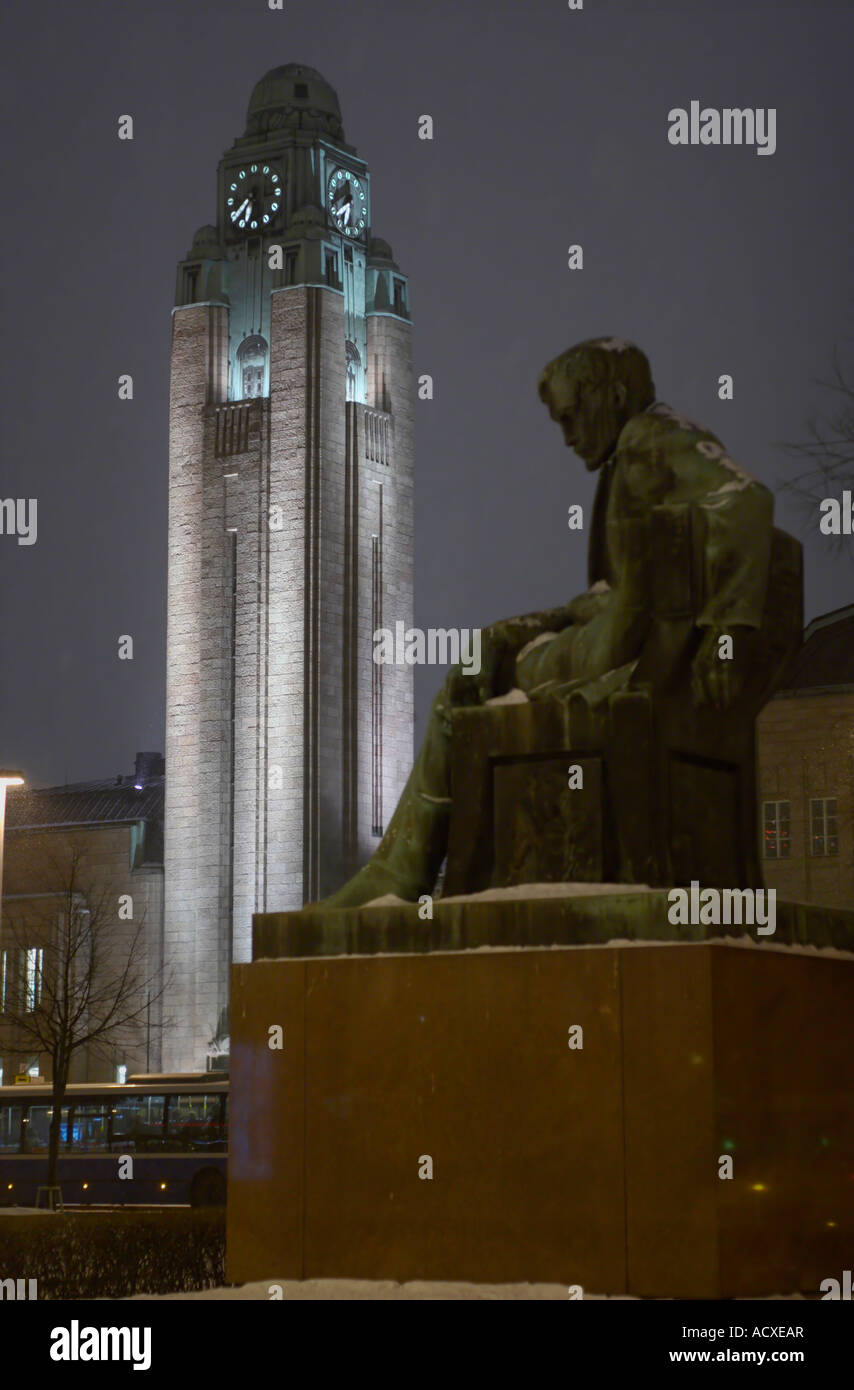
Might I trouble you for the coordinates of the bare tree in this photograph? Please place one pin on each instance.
(80, 981)
(827, 454)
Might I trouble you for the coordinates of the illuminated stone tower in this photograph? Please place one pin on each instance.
(290, 542)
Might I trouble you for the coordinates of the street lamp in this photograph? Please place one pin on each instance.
(7, 779)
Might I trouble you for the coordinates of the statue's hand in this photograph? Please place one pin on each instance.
(495, 677)
(715, 679)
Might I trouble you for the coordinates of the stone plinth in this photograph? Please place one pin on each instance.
(597, 1165)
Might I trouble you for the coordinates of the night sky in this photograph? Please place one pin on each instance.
(551, 128)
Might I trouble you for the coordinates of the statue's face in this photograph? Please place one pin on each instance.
(588, 415)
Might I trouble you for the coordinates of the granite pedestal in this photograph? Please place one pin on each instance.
(598, 1165)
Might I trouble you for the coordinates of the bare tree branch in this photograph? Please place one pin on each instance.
(826, 454)
(88, 988)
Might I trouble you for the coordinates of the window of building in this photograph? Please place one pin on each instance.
(355, 380)
(399, 297)
(252, 366)
(253, 382)
(290, 266)
(34, 980)
(824, 836)
(191, 283)
(377, 682)
(301, 91)
(776, 831)
(331, 264)
(17, 978)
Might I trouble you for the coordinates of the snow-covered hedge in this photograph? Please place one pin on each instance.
(115, 1254)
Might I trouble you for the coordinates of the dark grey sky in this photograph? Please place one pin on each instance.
(551, 128)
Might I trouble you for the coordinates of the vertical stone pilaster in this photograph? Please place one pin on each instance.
(191, 909)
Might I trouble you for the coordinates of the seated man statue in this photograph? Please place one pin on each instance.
(601, 394)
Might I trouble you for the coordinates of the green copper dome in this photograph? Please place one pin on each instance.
(294, 97)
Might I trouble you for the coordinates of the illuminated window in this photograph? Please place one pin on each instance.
(824, 837)
(776, 833)
(377, 682)
(89, 1127)
(33, 986)
(10, 1127)
(252, 366)
(4, 966)
(354, 386)
(195, 1123)
(37, 1127)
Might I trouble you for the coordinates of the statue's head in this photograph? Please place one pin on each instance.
(592, 390)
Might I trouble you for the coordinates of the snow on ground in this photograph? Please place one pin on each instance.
(523, 890)
(339, 1290)
(360, 1290)
(25, 1211)
(550, 890)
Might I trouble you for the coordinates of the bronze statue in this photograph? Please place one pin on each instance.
(652, 463)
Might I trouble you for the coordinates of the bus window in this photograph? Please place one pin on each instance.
(137, 1124)
(37, 1128)
(195, 1123)
(10, 1128)
(89, 1123)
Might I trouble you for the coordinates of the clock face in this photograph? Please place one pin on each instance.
(253, 197)
(347, 203)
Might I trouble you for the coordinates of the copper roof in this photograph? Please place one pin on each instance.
(85, 803)
(826, 659)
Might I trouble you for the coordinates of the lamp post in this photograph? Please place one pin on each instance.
(7, 779)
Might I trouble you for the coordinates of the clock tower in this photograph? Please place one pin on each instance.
(290, 543)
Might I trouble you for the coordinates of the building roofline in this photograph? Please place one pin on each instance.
(836, 615)
(80, 824)
(47, 893)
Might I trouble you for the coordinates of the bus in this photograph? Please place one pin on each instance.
(173, 1128)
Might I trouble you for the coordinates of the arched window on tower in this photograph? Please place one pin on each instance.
(355, 378)
(252, 366)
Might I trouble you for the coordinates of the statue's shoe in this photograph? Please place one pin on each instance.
(375, 880)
